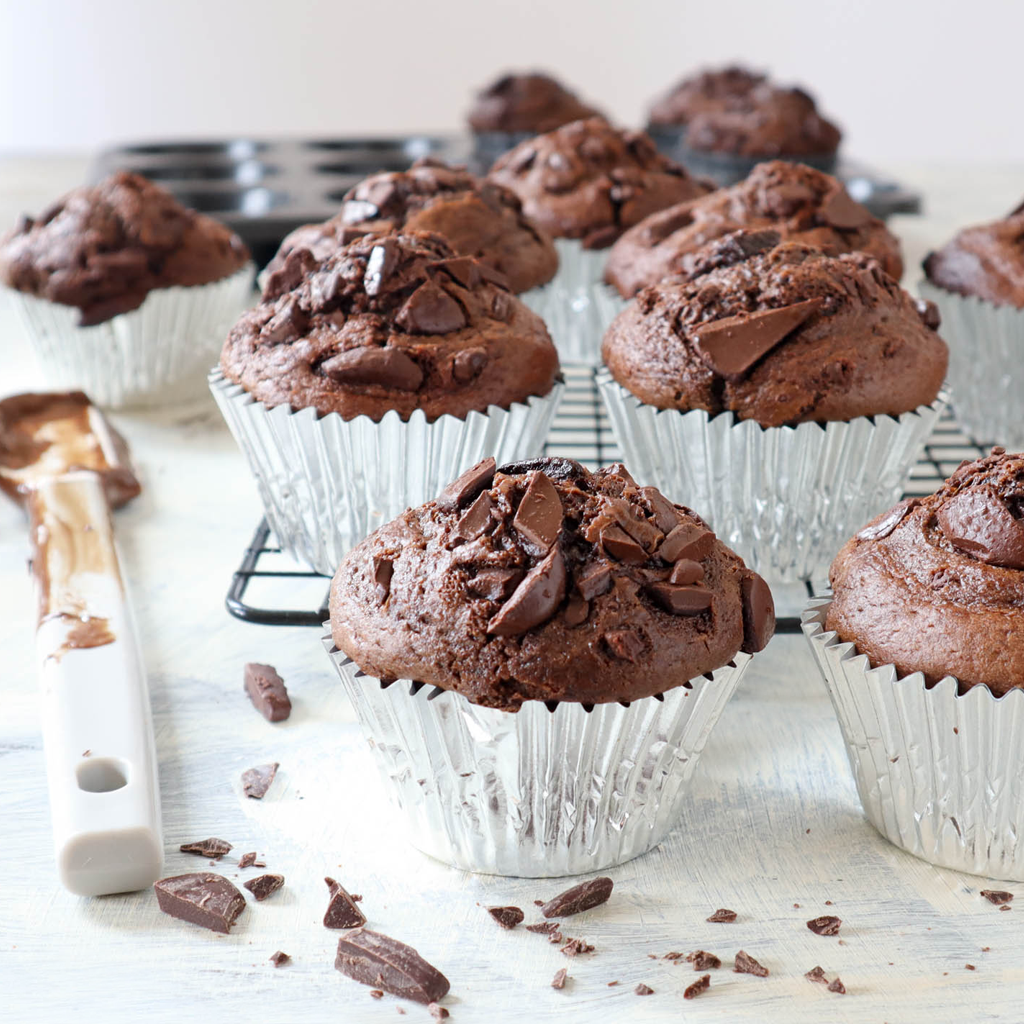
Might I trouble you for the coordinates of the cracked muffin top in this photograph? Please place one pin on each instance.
(531, 102)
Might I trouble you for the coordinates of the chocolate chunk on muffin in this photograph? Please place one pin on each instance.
(780, 333)
(390, 322)
(543, 581)
(477, 217)
(103, 248)
(696, 94)
(532, 102)
(986, 261)
(936, 585)
(590, 181)
(800, 203)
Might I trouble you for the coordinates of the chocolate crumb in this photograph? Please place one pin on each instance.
(828, 903)
(796, 906)
(842, 942)
(264, 886)
(279, 958)
(723, 916)
(817, 974)
(997, 895)
(87, 753)
(342, 911)
(837, 986)
(643, 990)
(702, 984)
(986, 949)
(215, 848)
(558, 981)
(507, 917)
(826, 925)
(401, 1010)
(543, 927)
(1006, 906)
(746, 964)
(702, 960)
(612, 984)
(376, 993)
(556, 938)
(256, 781)
(970, 967)
(538, 903)
(247, 860)
(576, 946)
(438, 1012)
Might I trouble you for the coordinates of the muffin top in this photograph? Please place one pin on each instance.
(390, 322)
(543, 581)
(800, 203)
(986, 261)
(526, 103)
(478, 218)
(591, 181)
(708, 90)
(936, 585)
(104, 248)
(780, 333)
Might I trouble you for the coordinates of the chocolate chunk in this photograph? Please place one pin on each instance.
(378, 960)
(826, 925)
(387, 367)
(556, 468)
(621, 547)
(438, 1012)
(476, 518)
(381, 262)
(535, 600)
(376, 993)
(214, 848)
(543, 927)
(430, 310)
(680, 600)
(703, 960)
(722, 916)
(840, 211)
(666, 515)
(264, 886)
(507, 917)
(929, 314)
(463, 270)
(501, 307)
(201, 898)
(736, 247)
(997, 895)
(977, 523)
(324, 290)
(342, 911)
(837, 986)
(465, 488)
(686, 571)
(884, 526)
(558, 981)
(584, 896)
(285, 325)
(494, 584)
(643, 532)
(556, 938)
(619, 470)
(817, 974)
(744, 963)
(279, 959)
(297, 264)
(576, 946)
(247, 860)
(687, 540)
(702, 984)
(758, 613)
(539, 516)
(469, 364)
(576, 610)
(595, 581)
(624, 644)
(267, 691)
(643, 990)
(256, 781)
(732, 345)
(383, 570)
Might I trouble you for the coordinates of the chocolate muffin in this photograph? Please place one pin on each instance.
(780, 333)
(532, 103)
(709, 90)
(986, 261)
(800, 203)
(104, 248)
(477, 217)
(543, 581)
(936, 585)
(590, 181)
(390, 322)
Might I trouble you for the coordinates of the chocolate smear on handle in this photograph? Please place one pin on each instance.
(584, 896)
(267, 691)
(680, 600)
(385, 963)
(732, 345)
(342, 911)
(213, 847)
(264, 886)
(507, 917)
(387, 367)
(539, 516)
(535, 600)
(256, 781)
(888, 522)
(430, 310)
(843, 212)
(758, 613)
(466, 487)
(977, 523)
(827, 925)
(201, 898)
(746, 964)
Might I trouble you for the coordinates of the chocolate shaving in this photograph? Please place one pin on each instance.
(703, 960)
(576, 946)
(744, 963)
(466, 487)
(279, 958)
(376, 993)
(827, 925)
(817, 974)
(643, 990)
(702, 984)
(558, 981)
(264, 886)
(202, 898)
(507, 917)
(215, 848)
(342, 911)
(997, 895)
(387, 367)
(256, 781)
(722, 916)
(543, 927)
(535, 600)
(621, 546)
(267, 691)
(539, 516)
(385, 963)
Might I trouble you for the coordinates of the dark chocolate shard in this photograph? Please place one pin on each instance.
(744, 963)
(621, 546)
(644, 990)
(469, 364)
(385, 963)
(732, 345)
(264, 886)
(387, 367)
(826, 925)
(431, 310)
(507, 917)
(285, 325)
(884, 525)
(535, 600)
(686, 571)
(279, 959)
(342, 911)
(494, 584)
(835, 985)
(702, 984)
(817, 974)
(256, 781)
(841, 211)
(543, 927)
(624, 644)
(476, 518)
(703, 961)
(997, 895)
(584, 896)
(977, 523)
(680, 600)
(644, 533)
(247, 860)
(558, 981)
(595, 581)
(539, 516)
(576, 610)
(758, 613)
(267, 691)
(722, 916)
(574, 947)
(212, 847)
(383, 570)
(201, 898)
(466, 487)
(666, 515)
(687, 540)
(556, 468)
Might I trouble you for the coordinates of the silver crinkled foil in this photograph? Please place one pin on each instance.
(326, 482)
(784, 498)
(939, 775)
(138, 357)
(986, 374)
(535, 793)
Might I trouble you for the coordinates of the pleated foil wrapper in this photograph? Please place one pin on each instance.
(939, 775)
(326, 482)
(784, 498)
(576, 305)
(986, 368)
(535, 793)
(143, 357)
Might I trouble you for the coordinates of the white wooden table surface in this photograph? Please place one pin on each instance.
(774, 818)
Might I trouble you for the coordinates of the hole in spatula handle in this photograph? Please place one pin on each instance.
(102, 775)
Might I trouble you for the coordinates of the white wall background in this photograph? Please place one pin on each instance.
(921, 80)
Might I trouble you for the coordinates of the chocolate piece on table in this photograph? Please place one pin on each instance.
(722, 916)
(376, 993)
(997, 895)
(703, 960)
(817, 974)
(466, 487)
(438, 1012)
(215, 848)
(835, 985)
(256, 781)
(342, 911)
(378, 960)
(543, 927)
(247, 860)
(507, 917)
(576, 946)
(267, 691)
(643, 990)
(746, 964)
(201, 898)
(558, 981)
(584, 896)
(826, 925)
(702, 984)
(758, 614)
(890, 520)
(279, 958)
(264, 886)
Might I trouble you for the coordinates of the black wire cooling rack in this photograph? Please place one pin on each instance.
(271, 589)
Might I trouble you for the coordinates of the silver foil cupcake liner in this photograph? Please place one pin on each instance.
(784, 498)
(939, 775)
(576, 305)
(535, 793)
(142, 357)
(986, 365)
(326, 482)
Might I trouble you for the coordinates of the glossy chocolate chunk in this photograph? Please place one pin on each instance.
(342, 911)
(469, 364)
(843, 212)
(736, 247)
(494, 584)
(381, 262)
(686, 571)
(256, 781)
(978, 523)
(267, 691)
(385, 963)
(584, 896)
(884, 526)
(596, 580)
(463, 269)
(624, 644)
(535, 600)
(826, 925)
(689, 541)
(680, 600)
(285, 325)
(212, 848)
(539, 516)
(758, 614)
(476, 518)
(576, 610)
(666, 515)
(388, 367)
(621, 546)
(201, 898)
(264, 886)
(431, 310)
(644, 533)
(383, 570)
(465, 488)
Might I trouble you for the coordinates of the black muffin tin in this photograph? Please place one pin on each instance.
(263, 188)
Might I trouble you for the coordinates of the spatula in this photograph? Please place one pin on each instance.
(61, 459)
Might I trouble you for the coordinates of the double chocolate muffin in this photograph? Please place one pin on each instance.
(531, 102)
(389, 322)
(543, 581)
(780, 333)
(936, 585)
(104, 248)
(590, 181)
(709, 90)
(798, 202)
(477, 217)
